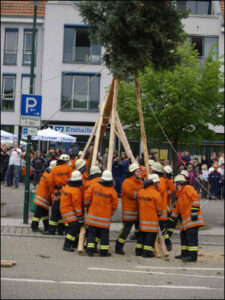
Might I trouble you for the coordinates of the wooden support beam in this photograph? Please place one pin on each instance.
(90, 138)
(113, 126)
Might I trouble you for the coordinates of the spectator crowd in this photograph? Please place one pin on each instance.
(205, 175)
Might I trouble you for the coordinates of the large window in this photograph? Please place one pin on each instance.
(27, 47)
(8, 91)
(80, 91)
(196, 7)
(203, 45)
(10, 49)
(77, 46)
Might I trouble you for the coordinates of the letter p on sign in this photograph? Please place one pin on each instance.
(30, 102)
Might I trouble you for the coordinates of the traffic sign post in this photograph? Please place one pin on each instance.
(31, 118)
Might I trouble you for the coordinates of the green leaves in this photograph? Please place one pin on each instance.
(134, 34)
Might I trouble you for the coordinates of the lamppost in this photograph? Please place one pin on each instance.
(27, 177)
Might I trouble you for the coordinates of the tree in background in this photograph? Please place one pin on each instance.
(183, 100)
(135, 34)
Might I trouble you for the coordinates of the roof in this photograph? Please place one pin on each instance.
(21, 8)
(222, 7)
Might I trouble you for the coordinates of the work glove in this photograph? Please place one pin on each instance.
(81, 220)
(194, 217)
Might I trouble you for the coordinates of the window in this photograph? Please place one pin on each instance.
(10, 50)
(77, 46)
(80, 91)
(25, 84)
(203, 45)
(196, 7)
(27, 47)
(8, 89)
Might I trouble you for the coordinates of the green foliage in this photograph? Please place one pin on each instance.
(135, 34)
(183, 100)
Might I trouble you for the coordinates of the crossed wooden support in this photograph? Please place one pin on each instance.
(109, 109)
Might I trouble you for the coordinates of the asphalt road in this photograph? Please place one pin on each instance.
(44, 271)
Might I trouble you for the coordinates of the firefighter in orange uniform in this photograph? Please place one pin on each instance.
(71, 209)
(130, 187)
(188, 207)
(80, 165)
(158, 169)
(43, 200)
(80, 153)
(103, 203)
(94, 177)
(150, 207)
(171, 190)
(57, 180)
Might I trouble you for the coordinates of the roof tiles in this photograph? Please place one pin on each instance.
(21, 8)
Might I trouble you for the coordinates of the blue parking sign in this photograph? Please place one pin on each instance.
(31, 105)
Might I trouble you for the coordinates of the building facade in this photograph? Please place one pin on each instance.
(68, 70)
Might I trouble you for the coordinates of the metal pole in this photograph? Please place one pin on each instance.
(27, 178)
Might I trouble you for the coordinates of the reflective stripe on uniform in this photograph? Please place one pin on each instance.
(70, 237)
(120, 240)
(192, 248)
(139, 246)
(104, 247)
(148, 227)
(70, 218)
(171, 229)
(35, 219)
(41, 198)
(196, 202)
(78, 210)
(45, 218)
(98, 223)
(53, 223)
(97, 240)
(175, 215)
(149, 248)
(91, 245)
(132, 218)
(165, 236)
(36, 201)
(99, 218)
(146, 222)
(184, 247)
(60, 221)
(129, 212)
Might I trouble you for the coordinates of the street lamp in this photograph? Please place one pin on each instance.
(27, 177)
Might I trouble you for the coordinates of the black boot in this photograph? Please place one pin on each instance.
(168, 244)
(51, 230)
(147, 254)
(34, 226)
(133, 237)
(45, 223)
(119, 248)
(68, 245)
(189, 259)
(178, 256)
(90, 252)
(138, 252)
(104, 253)
(69, 249)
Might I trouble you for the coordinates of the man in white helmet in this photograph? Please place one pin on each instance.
(171, 190)
(57, 180)
(42, 200)
(130, 187)
(158, 169)
(79, 156)
(71, 209)
(80, 165)
(103, 201)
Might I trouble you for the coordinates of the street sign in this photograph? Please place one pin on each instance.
(29, 131)
(30, 110)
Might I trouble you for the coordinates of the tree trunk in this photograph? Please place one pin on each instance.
(112, 126)
(142, 127)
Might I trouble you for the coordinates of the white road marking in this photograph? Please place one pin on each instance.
(155, 273)
(181, 268)
(110, 284)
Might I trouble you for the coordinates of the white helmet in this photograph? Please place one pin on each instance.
(80, 163)
(185, 173)
(156, 166)
(64, 157)
(80, 153)
(76, 176)
(107, 176)
(52, 164)
(179, 179)
(168, 169)
(94, 170)
(151, 162)
(154, 177)
(133, 167)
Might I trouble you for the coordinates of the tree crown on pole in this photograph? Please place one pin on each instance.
(134, 34)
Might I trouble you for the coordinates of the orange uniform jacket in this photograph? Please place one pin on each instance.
(163, 191)
(43, 195)
(84, 177)
(170, 189)
(70, 203)
(58, 179)
(130, 188)
(104, 202)
(187, 199)
(89, 183)
(150, 206)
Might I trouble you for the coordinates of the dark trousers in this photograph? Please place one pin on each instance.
(145, 242)
(163, 226)
(40, 214)
(73, 230)
(127, 225)
(214, 189)
(37, 177)
(103, 234)
(56, 219)
(189, 242)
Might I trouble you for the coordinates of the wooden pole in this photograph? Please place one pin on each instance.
(90, 138)
(141, 119)
(122, 137)
(95, 150)
(113, 126)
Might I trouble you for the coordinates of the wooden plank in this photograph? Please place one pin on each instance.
(80, 246)
(90, 138)
(112, 127)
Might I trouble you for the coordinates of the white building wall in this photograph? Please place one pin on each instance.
(56, 16)
(13, 117)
